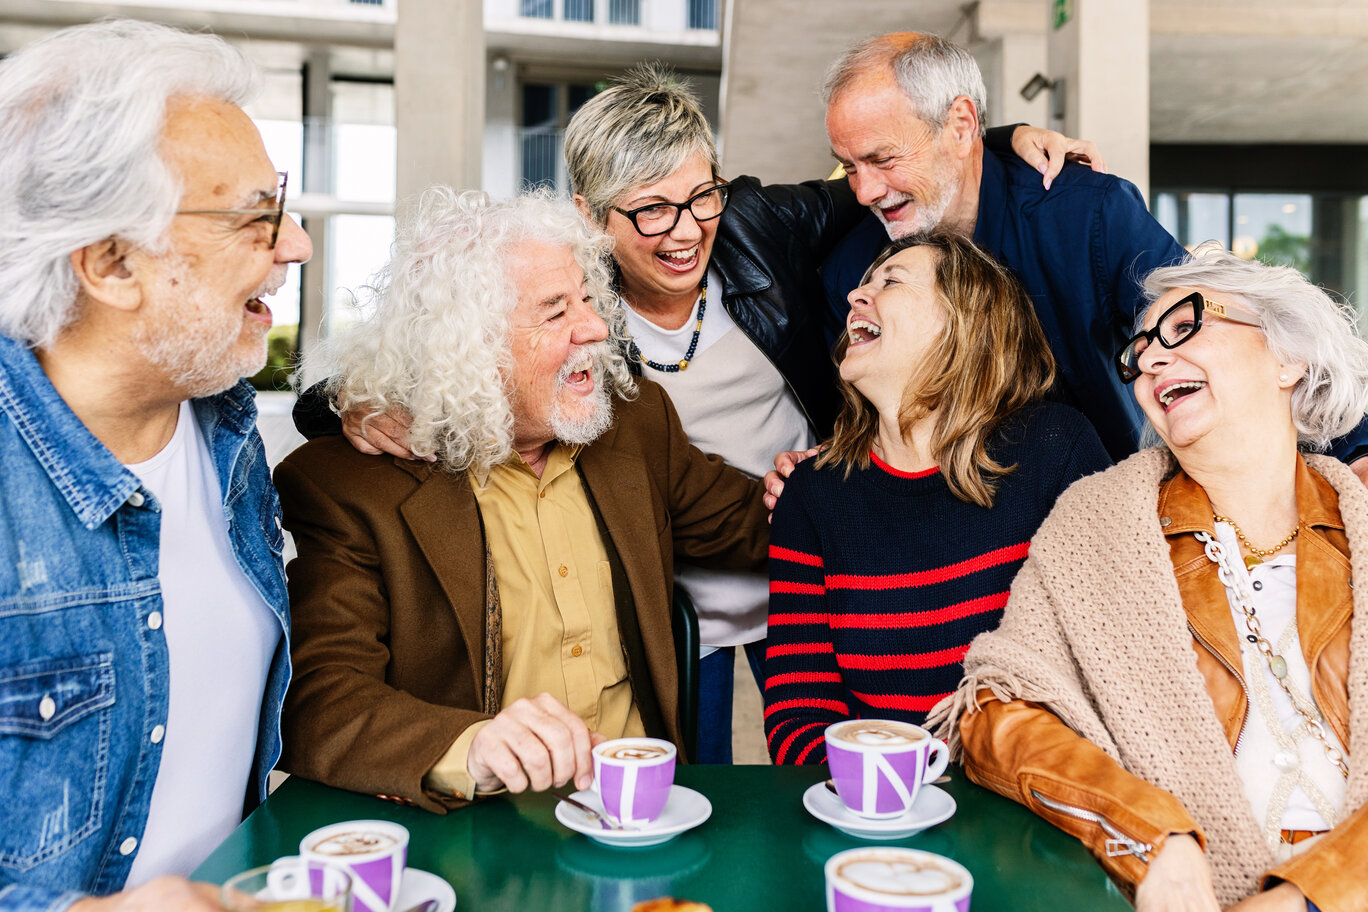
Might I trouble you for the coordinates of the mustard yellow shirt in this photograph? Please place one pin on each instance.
(560, 633)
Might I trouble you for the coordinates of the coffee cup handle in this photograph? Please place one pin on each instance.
(935, 766)
(289, 878)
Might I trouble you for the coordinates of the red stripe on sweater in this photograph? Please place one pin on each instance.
(807, 750)
(799, 649)
(794, 617)
(804, 677)
(797, 588)
(901, 701)
(797, 557)
(927, 577)
(832, 705)
(902, 662)
(905, 619)
(788, 742)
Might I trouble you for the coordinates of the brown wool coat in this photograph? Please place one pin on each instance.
(388, 591)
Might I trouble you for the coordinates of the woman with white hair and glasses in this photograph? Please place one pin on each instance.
(724, 309)
(1184, 652)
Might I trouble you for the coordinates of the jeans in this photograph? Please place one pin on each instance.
(716, 678)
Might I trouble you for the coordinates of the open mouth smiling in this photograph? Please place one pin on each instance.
(862, 331)
(679, 259)
(1170, 393)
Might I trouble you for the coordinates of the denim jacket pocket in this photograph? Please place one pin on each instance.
(54, 750)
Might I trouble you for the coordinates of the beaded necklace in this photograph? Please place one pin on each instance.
(683, 364)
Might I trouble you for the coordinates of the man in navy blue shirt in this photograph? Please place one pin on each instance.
(904, 119)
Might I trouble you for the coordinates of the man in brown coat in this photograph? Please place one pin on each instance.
(479, 620)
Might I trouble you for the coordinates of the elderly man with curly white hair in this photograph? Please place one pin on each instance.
(480, 620)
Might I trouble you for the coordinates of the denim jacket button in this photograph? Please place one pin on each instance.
(136, 499)
(47, 708)
(158, 733)
(154, 620)
(127, 846)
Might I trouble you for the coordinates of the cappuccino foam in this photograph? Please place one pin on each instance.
(873, 733)
(633, 752)
(898, 875)
(354, 842)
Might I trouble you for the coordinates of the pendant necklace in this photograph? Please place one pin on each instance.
(1256, 556)
(683, 364)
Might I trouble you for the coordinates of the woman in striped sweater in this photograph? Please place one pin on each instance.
(897, 545)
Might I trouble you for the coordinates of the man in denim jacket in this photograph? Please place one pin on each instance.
(143, 620)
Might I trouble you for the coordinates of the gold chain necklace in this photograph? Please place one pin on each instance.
(1256, 555)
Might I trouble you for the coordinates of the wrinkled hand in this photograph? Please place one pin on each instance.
(1046, 151)
(1360, 467)
(534, 744)
(1283, 898)
(1178, 880)
(387, 433)
(164, 894)
(783, 468)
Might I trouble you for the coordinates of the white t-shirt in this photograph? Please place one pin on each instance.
(732, 401)
(1290, 783)
(220, 636)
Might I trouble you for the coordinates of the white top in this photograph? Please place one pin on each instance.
(1289, 781)
(220, 636)
(733, 402)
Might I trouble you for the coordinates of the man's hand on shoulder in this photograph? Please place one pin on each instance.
(784, 464)
(378, 434)
(165, 894)
(534, 744)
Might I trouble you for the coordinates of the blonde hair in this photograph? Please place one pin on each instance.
(436, 344)
(991, 359)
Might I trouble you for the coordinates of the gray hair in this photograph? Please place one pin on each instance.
(81, 113)
(436, 343)
(931, 71)
(635, 133)
(1300, 322)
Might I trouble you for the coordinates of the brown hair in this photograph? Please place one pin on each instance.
(991, 359)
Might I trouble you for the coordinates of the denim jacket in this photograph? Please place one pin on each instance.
(84, 674)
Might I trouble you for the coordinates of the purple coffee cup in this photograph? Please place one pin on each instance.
(633, 777)
(374, 851)
(889, 879)
(879, 765)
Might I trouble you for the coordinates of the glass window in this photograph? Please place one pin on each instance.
(363, 141)
(624, 12)
(579, 10)
(358, 247)
(1194, 217)
(536, 9)
(702, 14)
(1276, 228)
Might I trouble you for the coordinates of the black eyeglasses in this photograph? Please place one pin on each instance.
(660, 218)
(1178, 324)
(273, 217)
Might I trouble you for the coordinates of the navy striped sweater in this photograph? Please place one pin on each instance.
(878, 582)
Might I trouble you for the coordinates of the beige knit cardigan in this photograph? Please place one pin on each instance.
(1095, 631)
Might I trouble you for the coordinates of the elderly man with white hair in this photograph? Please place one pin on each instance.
(480, 620)
(143, 647)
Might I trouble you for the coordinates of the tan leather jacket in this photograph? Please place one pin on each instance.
(1026, 753)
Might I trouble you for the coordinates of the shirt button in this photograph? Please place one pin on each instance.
(158, 733)
(563, 570)
(47, 708)
(154, 620)
(1258, 586)
(136, 499)
(542, 495)
(127, 846)
(577, 651)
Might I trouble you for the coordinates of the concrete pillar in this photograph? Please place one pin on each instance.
(439, 94)
(1100, 51)
(317, 178)
(1008, 63)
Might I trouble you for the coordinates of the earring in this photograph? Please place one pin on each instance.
(1282, 378)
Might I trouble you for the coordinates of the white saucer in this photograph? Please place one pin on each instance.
(933, 806)
(684, 810)
(421, 885)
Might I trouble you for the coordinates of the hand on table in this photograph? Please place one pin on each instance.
(1046, 151)
(164, 894)
(387, 433)
(783, 468)
(1178, 880)
(1285, 897)
(535, 743)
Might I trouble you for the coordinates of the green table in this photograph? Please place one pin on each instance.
(759, 851)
